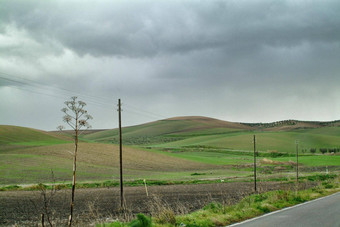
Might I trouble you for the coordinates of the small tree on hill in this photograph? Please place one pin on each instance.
(77, 118)
(323, 150)
(313, 150)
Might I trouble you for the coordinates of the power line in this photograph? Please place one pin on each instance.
(103, 102)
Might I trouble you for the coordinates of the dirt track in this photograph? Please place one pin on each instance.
(24, 207)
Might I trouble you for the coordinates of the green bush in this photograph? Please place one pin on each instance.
(263, 209)
(214, 207)
(327, 185)
(260, 197)
(10, 187)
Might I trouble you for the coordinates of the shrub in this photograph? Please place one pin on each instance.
(214, 207)
(331, 150)
(166, 216)
(262, 208)
(327, 185)
(312, 150)
(323, 150)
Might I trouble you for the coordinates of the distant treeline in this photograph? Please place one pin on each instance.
(323, 150)
(291, 122)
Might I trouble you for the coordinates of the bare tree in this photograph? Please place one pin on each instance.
(77, 118)
(47, 196)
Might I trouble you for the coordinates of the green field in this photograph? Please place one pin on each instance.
(184, 148)
(315, 160)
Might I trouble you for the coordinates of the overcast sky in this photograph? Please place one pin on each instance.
(243, 61)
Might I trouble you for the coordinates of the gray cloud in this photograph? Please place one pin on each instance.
(148, 28)
(215, 58)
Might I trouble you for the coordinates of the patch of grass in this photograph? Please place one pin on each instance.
(198, 174)
(141, 221)
(320, 177)
(113, 224)
(15, 135)
(10, 188)
(132, 183)
(215, 158)
(315, 160)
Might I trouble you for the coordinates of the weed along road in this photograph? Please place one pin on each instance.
(323, 212)
(24, 207)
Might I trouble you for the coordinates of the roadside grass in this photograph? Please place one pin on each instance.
(140, 182)
(221, 214)
(131, 183)
(216, 214)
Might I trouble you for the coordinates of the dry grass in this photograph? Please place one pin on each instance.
(272, 162)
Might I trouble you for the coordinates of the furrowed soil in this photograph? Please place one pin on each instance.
(24, 208)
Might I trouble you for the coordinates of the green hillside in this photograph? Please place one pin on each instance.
(95, 162)
(184, 132)
(168, 130)
(14, 135)
(175, 148)
(265, 141)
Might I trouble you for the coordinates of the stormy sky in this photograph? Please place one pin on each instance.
(235, 60)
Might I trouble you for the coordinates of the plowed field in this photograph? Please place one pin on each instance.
(25, 207)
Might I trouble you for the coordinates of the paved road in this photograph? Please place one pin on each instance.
(324, 212)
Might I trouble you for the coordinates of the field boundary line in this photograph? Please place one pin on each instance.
(284, 209)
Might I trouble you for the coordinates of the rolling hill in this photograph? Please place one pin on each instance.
(15, 135)
(171, 129)
(182, 132)
(94, 161)
(173, 148)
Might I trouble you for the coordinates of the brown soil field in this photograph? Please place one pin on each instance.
(24, 208)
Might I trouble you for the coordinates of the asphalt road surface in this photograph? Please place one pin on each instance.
(324, 212)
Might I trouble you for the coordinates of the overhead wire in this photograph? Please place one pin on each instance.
(103, 102)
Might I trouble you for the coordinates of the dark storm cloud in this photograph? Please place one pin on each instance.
(148, 28)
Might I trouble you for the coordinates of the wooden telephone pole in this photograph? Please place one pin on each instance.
(255, 164)
(297, 161)
(120, 155)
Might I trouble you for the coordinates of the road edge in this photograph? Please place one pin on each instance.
(284, 209)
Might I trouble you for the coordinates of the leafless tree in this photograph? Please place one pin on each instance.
(77, 118)
(47, 196)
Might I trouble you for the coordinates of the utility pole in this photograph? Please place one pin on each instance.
(297, 160)
(120, 155)
(255, 164)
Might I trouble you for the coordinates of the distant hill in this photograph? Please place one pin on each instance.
(194, 131)
(292, 124)
(15, 135)
(172, 128)
(202, 131)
